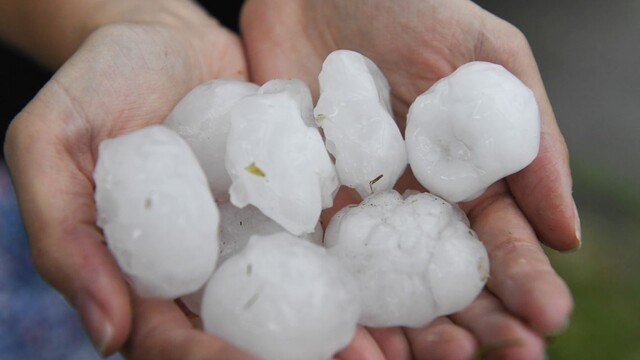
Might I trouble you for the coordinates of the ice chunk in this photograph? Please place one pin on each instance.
(282, 298)
(202, 119)
(354, 112)
(470, 129)
(156, 211)
(414, 259)
(277, 163)
(299, 91)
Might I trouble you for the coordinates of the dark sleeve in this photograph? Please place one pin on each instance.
(227, 12)
(21, 80)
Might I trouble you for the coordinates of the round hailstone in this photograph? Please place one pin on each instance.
(414, 259)
(470, 129)
(299, 91)
(202, 119)
(237, 225)
(156, 211)
(354, 112)
(282, 298)
(277, 163)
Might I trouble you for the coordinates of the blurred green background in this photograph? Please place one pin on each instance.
(588, 53)
(603, 274)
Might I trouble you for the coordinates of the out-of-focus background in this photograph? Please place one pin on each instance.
(589, 56)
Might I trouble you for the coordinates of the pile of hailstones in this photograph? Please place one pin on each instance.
(220, 205)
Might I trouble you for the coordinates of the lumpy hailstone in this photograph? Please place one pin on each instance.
(277, 163)
(354, 112)
(282, 298)
(156, 211)
(470, 129)
(202, 119)
(414, 259)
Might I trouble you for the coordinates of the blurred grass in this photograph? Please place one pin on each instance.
(603, 274)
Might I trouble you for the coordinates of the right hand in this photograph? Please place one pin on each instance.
(124, 76)
(415, 43)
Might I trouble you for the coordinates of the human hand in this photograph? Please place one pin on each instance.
(125, 76)
(415, 43)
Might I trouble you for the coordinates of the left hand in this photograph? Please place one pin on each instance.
(416, 43)
(126, 75)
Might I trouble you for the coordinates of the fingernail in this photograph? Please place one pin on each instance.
(96, 324)
(578, 226)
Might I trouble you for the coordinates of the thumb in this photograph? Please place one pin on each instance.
(543, 190)
(55, 192)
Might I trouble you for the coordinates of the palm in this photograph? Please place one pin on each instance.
(415, 43)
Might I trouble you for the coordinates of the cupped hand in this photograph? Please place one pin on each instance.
(415, 43)
(124, 76)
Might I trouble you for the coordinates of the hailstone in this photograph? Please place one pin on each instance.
(414, 259)
(354, 113)
(277, 163)
(299, 91)
(282, 298)
(202, 118)
(470, 129)
(154, 206)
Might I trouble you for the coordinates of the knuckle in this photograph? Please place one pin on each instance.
(14, 132)
(518, 38)
(516, 45)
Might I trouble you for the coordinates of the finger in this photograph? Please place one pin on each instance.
(162, 331)
(548, 177)
(441, 339)
(521, 275)
(500, 334)
(268, 56)
(362, 347)
(392, 342)
(555, 219)
(56, 202)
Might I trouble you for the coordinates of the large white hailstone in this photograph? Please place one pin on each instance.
(354, 112)
(279, 164)
(282, 298)
(470, 129)
(202, 119)
(414, 259)
(237, 225)
(156, 211)
(299, 91)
